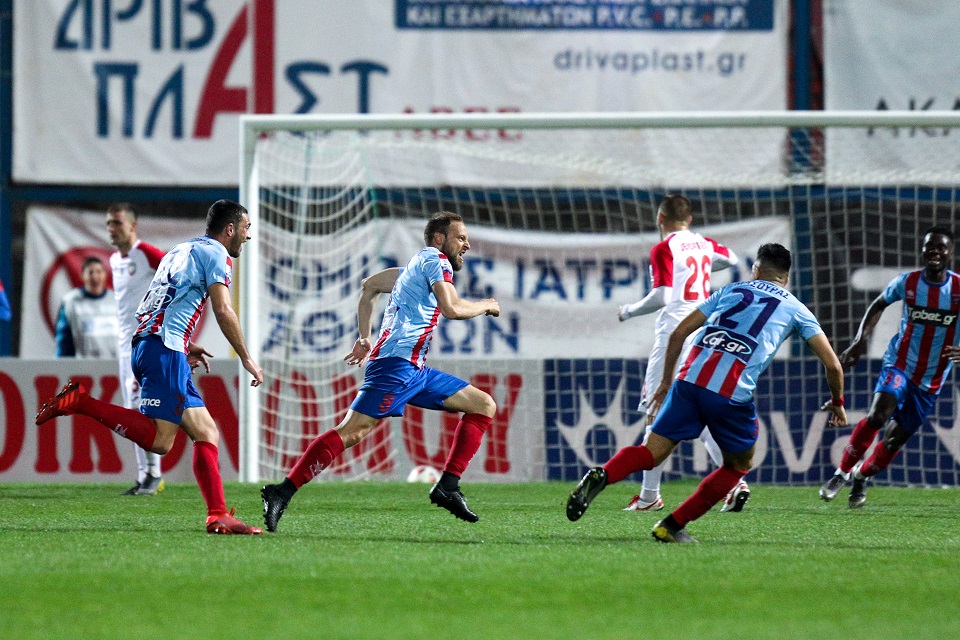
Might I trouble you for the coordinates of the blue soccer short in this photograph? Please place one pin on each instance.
(689, 408)
(913, 403)
(392, 383)
(166, 388)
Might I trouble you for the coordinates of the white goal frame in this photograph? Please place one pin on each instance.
(253, 126)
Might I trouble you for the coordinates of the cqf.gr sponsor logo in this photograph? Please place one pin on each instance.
(732, 343)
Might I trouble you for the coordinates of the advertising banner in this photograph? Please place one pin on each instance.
(555, 419)
(868, 65)
(57, 242)
(77, 448)
(559, 292)
(148, 93)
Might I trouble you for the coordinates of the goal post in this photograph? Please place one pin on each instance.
(561, 212)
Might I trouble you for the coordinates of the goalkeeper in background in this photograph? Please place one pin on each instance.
(744, 325)
(680, 266)
(917, 361)
(396, 374)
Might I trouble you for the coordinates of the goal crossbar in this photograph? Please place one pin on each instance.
(251, 125)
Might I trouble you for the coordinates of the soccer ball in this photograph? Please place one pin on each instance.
(424, 473)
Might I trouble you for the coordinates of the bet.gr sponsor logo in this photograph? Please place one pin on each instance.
(936, 317)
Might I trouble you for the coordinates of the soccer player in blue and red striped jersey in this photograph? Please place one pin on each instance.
(917, 361)
(396, 374)
(744, 324)
(163, 356)
(680, 268)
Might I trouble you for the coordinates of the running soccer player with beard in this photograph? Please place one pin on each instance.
(163, 357)
(396, 374)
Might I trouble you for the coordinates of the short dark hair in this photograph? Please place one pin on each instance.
(439, 223)
(123, 206)
(89, 260)
(675, 207)
(941, 231)
(222, 213)
(774, 256)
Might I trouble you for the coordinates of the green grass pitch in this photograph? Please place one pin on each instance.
(373, 560)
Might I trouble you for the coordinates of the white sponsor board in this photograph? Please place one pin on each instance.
(78, 449)
(891, 55)
(154, 88)
(549, 415)
(559, 293)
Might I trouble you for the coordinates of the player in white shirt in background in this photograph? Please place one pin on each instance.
(133, 265)
(680, 266)
(87, 319)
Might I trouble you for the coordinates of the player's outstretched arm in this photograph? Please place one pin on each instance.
(831, 364)
(370, 290)
(230, 326)
(653, 301)
(852, 354)
(453, 307)
(723, 257)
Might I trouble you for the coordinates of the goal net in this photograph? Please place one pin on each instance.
(561, 213)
